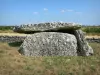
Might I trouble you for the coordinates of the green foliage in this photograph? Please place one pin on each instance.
(3, 28)
(91, 29)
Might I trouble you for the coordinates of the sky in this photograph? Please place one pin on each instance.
(16, 12)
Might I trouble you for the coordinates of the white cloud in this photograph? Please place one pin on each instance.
(35, 12)
(66, 10)
(63, 11)
(61, 21)
(79, 12)
(70, 10)
(45, 9)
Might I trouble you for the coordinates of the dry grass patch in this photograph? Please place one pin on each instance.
(12, 63)
(93, 34)
(12, 34)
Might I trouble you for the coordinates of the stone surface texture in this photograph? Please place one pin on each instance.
(49, 44)
(83, 47)
(46, 27)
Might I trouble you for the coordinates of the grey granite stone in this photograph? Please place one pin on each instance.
(83, 47)
(49, 44)
(46, 27)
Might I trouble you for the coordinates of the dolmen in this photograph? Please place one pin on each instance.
(54, 39)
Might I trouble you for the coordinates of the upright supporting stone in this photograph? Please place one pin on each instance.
(49, 44)
(83, 48)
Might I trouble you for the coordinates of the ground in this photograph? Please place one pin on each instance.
(13, 63)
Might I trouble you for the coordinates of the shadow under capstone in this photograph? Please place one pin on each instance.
(15, 44)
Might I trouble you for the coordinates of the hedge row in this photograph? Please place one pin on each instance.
(6, 27)
(90, 29)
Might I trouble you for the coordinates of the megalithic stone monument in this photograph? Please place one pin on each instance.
(54, 39)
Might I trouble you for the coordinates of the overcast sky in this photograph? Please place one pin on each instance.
(34, 11)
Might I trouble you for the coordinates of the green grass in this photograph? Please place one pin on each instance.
(13, 63)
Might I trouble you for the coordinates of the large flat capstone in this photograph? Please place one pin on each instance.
(49, 44)
(46, 27)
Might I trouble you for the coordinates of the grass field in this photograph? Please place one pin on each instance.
(13, 63)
